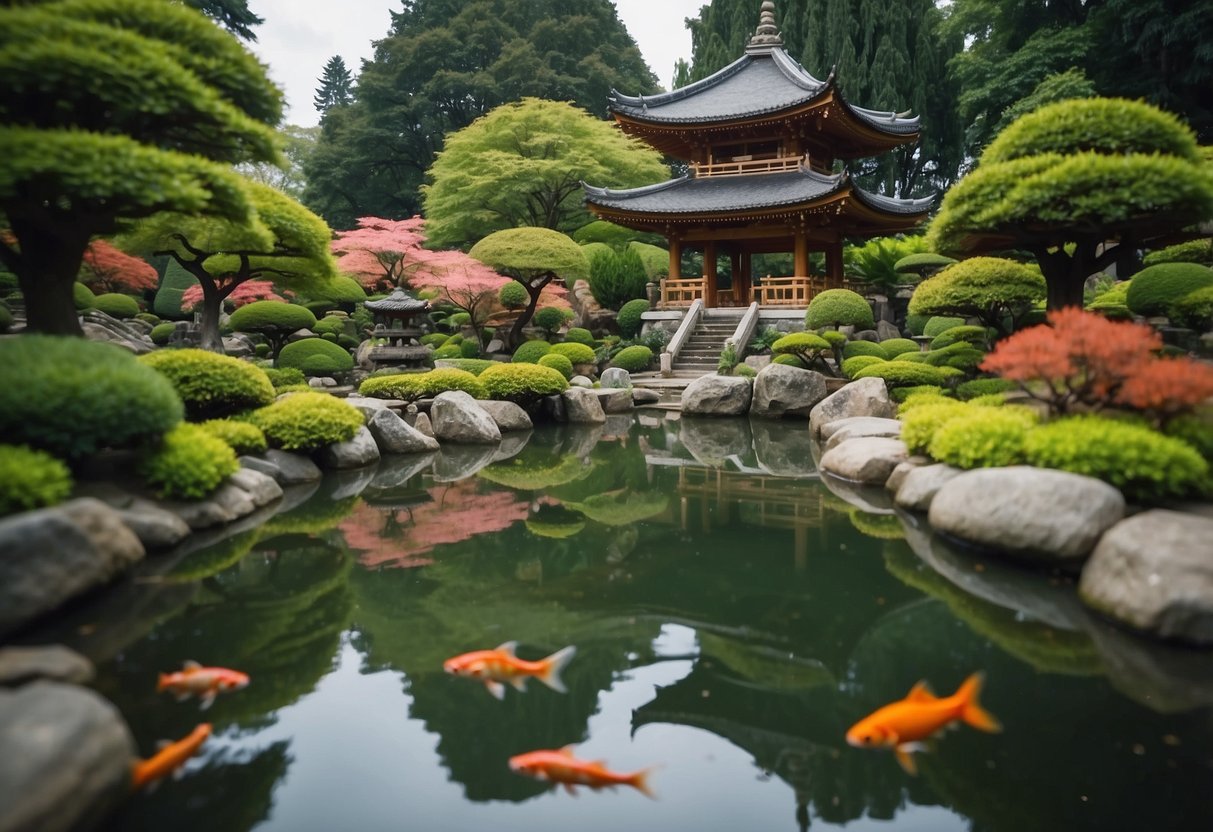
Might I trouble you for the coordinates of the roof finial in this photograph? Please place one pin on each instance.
(767, 33)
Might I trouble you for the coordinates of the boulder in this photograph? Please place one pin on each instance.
(67, 758)
(507, 415)
(555, 408)
(616, 377)
(393, 435)
(1154, 572)
(370, 406)
(614, 400)
(1029, 513)
(156, 528)
(885, 331)
(228, 503)
(582, 407)
(641, 395)
(919, 487)
(421, 422)
(19, 665)
(353, 453)
(864, 397)
(857, 427)
(868, 460)
(261, 487)
(580, 381)
(293, 468)
(903, 470)
(457, 417)
(715, 395)
(49, 556)
(780, 390)
(236, 348)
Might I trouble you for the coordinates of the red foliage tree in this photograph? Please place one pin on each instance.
(379, 252)
(1167, 387)
(246, 292)
(107, 269)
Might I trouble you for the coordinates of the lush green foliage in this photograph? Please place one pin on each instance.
(656, 260)
(116, 305)
(853, 365)
(475, 366)
(579, 335)
(73, 397)
(522, 384)
(936, 325)
(898, 346)
(273, 319)
(528, 253)
(341, 290)
(549, 319)
(983, 438)
(984, 387)
(188, 464)
(574, 352)
(211, 385)
(1194, 310)
(336, 86)
(558, 362)
(413, 386)
(1155, 288)
(629, 317)
(906, 374)
(875, 262)
(167, 303)
(316, 357)
(328, 325)
(513, 295)
(978, 336)
(923, 415)
(916, 323)
(82, 296)
(304, 421)
(161, 333)
(31, 479)
(961, 355)
(241, 437)
(998, 292)
(904, 394)
(806, 346)
(448, 351)
(923, 264)
(284, 376)
(1193, 251)
(617, 277)
(530, 352)
(838, 307)
(854, 348)
(635, 359)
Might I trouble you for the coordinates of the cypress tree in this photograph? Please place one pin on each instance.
(336, 86)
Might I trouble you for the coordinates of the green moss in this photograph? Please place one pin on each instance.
(977, 336)
(1153, 290)
(211, 385)
(633, 359)
(558, 362)
(530, 352)
(31, 479)
(304, 421)
(522, 384)
(316, 357)
(629, 317)
(983, 438)
(839, 307)
(116, 305)
(188, 464)
(241, 437)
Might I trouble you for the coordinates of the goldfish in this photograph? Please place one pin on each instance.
(905, 723)
(501, 665)
(205, 682)
(170, 758)
(560, 766)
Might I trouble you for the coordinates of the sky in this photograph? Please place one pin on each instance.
(299, 36)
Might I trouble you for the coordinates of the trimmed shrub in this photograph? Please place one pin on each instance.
(1194, 429)
(654, 258)
(327, 326)
(1152, 290)
(984, 439)
(899, 346)
(1142, 463)
(513, 295)
(937, 325)
(960, 355)
(83, 296)
(283, 376)
(1193, 251)
(273, 319)
(341, 290)
(316, 357)
(522, 384)
(433, 339)
(405, 386)
(803, 345)
(161, 333)
(559, 363)
(834, 338)
(188, 464)
(633, 359)
(72, 397)
(984, 387)
(997, 291)
(447, 351)
(305, 421)
(978, 336)
(549, 319)
(529, 352)
(458, 319)
(167, 303)
(413, 386)
(917, 323)
(475, 366)
(617, 277)
(854, 348)
(1194, 310)
(241, 437)
(789, 360)
(31, 479)
(212, 385)
(854, 364)
(922, 264)
(906, 374)
(454, 340)
(629, 317)
(579, 335)
(116, 305)
(469, 349)
(575, 353)
(838, 307)
(906, 394)
(922, 416)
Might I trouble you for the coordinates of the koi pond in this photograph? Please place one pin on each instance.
(733, 616)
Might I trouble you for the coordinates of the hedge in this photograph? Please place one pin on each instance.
(1154, 289)
(31, 479)
(1193, 251)
(167, 303)
(188, 464)
(550, 318)
(558, 362)
(839, 307)
(412, 386)
(316, 357)
(633, 359)
(522, 384)
(629, 317)
(304, 421)
(529, 352)
(212, 385)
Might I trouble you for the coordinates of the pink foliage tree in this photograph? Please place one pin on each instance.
(379, 252)
(108, 269)
(462, 282)
(246, 292)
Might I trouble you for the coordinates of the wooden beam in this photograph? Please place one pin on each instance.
(675, 258)
(709, 271)
(800, 255)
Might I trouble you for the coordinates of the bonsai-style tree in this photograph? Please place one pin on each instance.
(1078, 183)
(922, 265)
(378, 251)
(274, 320)
(285, 243)
(838, 307)
(114, 110)
(998, 292)
(107, 269)
(534, 257)
(463, 282)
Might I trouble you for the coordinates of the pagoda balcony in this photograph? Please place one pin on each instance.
(786, 292)
(744, 166)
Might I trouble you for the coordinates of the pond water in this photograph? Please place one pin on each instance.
(733, 616)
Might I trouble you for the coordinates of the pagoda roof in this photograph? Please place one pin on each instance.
(398, 301)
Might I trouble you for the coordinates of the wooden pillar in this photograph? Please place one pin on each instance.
(709, 271)
(739, 296)
(834, 264)
(745, 292)
(675, 258)
(800, 255)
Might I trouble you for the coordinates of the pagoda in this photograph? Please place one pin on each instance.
(760, 138)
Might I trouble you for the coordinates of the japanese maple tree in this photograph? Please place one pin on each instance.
(108, 269)
(378, 252)
(244, 293)
(462, 282)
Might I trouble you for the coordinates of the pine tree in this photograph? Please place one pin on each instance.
(233, 15)
(336, 86)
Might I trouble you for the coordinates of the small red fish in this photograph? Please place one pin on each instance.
(560, 766)
(205, 682)
(501, 665)
(905, 723)
(170, 758)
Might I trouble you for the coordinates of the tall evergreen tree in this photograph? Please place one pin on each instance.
(336, 86)
(233, 15)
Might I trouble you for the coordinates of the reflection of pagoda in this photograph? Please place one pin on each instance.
(761, 137)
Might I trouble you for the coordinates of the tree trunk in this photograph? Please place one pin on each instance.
(534, 288)
(1064, 290)
(212, 306)
(49, 263)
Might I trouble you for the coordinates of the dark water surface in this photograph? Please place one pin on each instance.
(733, 616)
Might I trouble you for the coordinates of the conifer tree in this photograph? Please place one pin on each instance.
(336, 86)
(233, 15)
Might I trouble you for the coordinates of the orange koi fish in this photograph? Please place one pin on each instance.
(205, 682)
(170, 758)
(562, 767)
(501, 665)
(904, 724)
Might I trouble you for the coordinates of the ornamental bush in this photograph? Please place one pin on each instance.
(905, 394)
(549, 318)
(906, 374)
(1154, 289)
(73, 397)
(898, 346)
(838, 307)
(854, 348)
(167, 303)
(529, 352)
(1193, 251)
(984, 438)
(447, 351)
(212, 385)
(913, 397)
(579, 335)
(404, 386)
(283, 376)
(853, 365)
(998, 292)
(1142, 463)
(513, 295)
(745, 370)
(83, 296)
(523, 384)
(789, 360)
(316, 357)
(922, 264)
(329, 326)
(1194, 310)
(433, 339)
(922, 416)
(978, 336)
(984, 387)
(917, 323)
(188, 464)
(475, 366)
(340, 290)
(558, 362)
(629, 317)
(116, 305)
(575, 353)
(633, 359)
(937, 325)
(803, 345)
(31, 479)
(458, 319)
(273, 319)
(241, 437)
(305, 421)
(161, 333)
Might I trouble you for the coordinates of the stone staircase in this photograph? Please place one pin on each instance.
(701, 352)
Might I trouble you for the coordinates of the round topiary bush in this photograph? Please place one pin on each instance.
(212, 385)
(557, 362)
(304, 421)
(984, 387)
(575, 353)
(839, 307)
(273, 319)
(167, 303)
(789, 360)
(404, 386)
(1194, 310)
(469, 349)
(116, 305)
(1154, 289)
(161, 333)
(549, 318)
(316, 357)
(329, 326)
(579, 335)
(629, 317)
(73, 397)
(983, 438)
(83, 296)
(1141, 462)
(853, 365)
(475, 366)
(633, 359)
(434, 339)
(188, 464)
(444, 379)
(449, 351)
(854, 348)
(31, 479)
(341, 290)
(529, 352)
(241, 437)
(937, 325)
(924, 414)
(996, 291)
(522, 384)
(906, 374)
(805, 346)
(977, 336)
(898, 346)
(513, 295)
(1193, 251)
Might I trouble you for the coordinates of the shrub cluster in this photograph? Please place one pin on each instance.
(629, 317)
(522, 384)
(1193, 251)
(805, 346)
(31, 479)
(579, 335)
(304, 421)
(558, 362)
(922, 416)
(977, 336)
(851, 366)
(475, 366)
(997, 291)
(898, 346)
(83, 296)
(316, 357)
(412, 386)
(854, 348)
(1155, 288)
(635, 359)
(983, 438)
(937, 325)
(909, 374)
(241, 437)
(1194, 310)
(284, 376)
(575, 353)
(839, 307)
(188, 464)
(434, 339)
(529, 352)
(212, 385)
(550, 319)
(448, 351)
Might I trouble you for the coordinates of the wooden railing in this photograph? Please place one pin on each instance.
(787, 291)
(739, 167)
(682, 292)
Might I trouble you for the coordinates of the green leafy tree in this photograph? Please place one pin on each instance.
(85, 141)
(1074, 181)
(233, 15)
(1000, 293)
(287, 175)
(523, 164)
(336, 86)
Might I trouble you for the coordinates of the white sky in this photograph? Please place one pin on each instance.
(299, 36)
